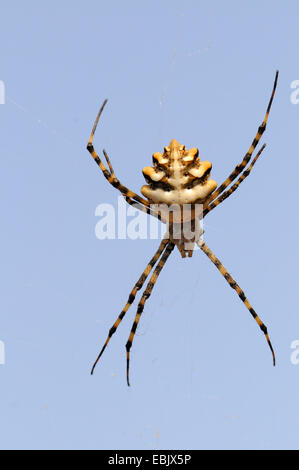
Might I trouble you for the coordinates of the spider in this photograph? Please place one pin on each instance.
(179, 177)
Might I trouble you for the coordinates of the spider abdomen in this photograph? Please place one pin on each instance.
(178, 177)
(179, 196)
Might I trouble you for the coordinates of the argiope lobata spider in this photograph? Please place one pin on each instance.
(179, 177)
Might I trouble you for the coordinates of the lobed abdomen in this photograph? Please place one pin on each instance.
(178, 177)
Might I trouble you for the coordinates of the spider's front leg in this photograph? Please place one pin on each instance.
(146, 294)
(109, 174)
(133, 293)
(239, 291)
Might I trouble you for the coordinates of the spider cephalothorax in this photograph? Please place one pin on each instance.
(179, 180)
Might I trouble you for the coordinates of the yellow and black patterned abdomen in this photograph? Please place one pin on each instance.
(178, 177)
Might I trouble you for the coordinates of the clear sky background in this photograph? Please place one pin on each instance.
(201, 371)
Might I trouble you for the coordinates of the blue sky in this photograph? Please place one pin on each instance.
(201, 372)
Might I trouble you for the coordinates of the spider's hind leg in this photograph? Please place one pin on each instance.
(235, 186)
(109, 174)
(239, 168)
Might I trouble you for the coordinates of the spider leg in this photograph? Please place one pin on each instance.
(109, 164)
(235, 186)
(239, 291)
(110, 175)
(133, 203)
(132, 296)
(239, 168)
(147, 210)
(146, 294)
